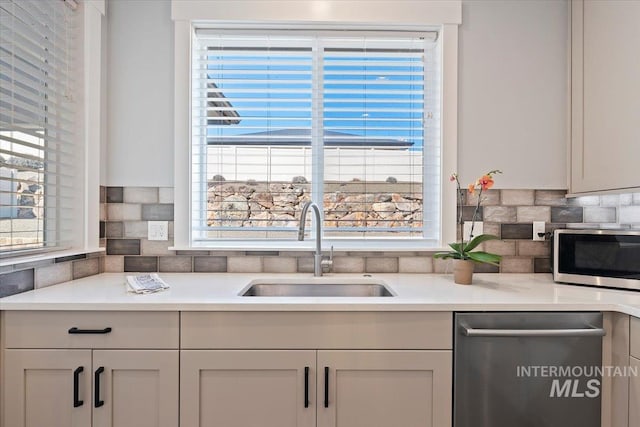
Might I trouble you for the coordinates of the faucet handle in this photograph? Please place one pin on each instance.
(328, 262)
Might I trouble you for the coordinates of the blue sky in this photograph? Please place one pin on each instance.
(349, 112)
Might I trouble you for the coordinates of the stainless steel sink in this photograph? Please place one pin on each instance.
(302, 289)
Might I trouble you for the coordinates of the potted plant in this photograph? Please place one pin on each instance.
(462, 252)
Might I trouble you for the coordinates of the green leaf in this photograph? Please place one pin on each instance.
(446, 255)
(456, 247)
(484, 257)
(477, 240)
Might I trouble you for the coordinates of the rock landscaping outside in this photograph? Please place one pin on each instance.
(358, 204)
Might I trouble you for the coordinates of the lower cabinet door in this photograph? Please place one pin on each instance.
(634, 394)
(49, 388)
(135, 388)
(384, 388)
(244, 388)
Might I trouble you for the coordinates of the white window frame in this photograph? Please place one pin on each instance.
(84, 234)
(445, 16)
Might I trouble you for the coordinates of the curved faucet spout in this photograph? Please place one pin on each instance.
(317, 256)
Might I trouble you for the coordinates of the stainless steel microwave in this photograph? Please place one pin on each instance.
(607, 258)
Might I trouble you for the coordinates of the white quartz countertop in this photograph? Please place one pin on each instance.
(413, 292)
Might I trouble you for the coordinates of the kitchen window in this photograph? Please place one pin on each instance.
(349, 120)
(38, 155)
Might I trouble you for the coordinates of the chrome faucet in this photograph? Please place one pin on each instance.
(318, 262)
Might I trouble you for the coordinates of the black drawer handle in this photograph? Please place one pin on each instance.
(96, 395)
(76, 385)
(75, 330)
(306, 386)
(326, 386)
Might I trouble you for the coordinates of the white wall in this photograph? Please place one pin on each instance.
(512, 93)
(140, 93)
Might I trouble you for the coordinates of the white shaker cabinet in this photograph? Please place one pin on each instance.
(384, 388)
(40, 391)
(287, 388)
(605, 95)
(247, 388)
(316, 369)
(106, 369)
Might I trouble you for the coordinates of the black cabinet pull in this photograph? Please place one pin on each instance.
(75, 330)
(96, 393)
(76, 385)
(326, 386)
(306, 386)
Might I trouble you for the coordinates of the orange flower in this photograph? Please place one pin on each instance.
(471, 188)
(486, 182)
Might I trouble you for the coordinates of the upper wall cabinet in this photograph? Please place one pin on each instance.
(605, 95)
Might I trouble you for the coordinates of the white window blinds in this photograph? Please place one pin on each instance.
(37, 116)
(342, 121)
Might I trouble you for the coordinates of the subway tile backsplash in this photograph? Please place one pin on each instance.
(17, 282)
(143, 264)
(567, 214)
(22, 277)
(516, 231)
(125, 212)
(115, 194)
(157, 212)
(509, 214)
(123, 246)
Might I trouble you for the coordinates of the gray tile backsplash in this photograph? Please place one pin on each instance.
(175, 264)
(17, 282)
(469, 211)
(533, 248)
(566, 214)
(140, 195)
(630, 214)
(350, 264)
(114, 229)
(157, 212)
(506, 213)
(514, 264)
(550, 198)
(279, 264)
(86, 267)
(125, 212)
(517, 197)
(381, 264)
(599, 214)
(123, 247)
(516, 231)
(115, 194)
(500, 213)
(414, 264)
(209, 264)
(53, 274)
(142, 264)
(533, 213)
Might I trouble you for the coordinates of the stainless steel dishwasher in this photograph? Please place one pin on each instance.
(527, 369)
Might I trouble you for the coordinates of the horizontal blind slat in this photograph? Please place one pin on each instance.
(38, 168)
(371, 93)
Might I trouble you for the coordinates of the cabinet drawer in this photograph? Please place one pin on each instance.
(51, 329)
(316, 330)
(634, 338)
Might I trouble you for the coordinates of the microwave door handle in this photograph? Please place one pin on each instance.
(583, 332)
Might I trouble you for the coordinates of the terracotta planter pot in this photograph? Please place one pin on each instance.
(462, 271)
